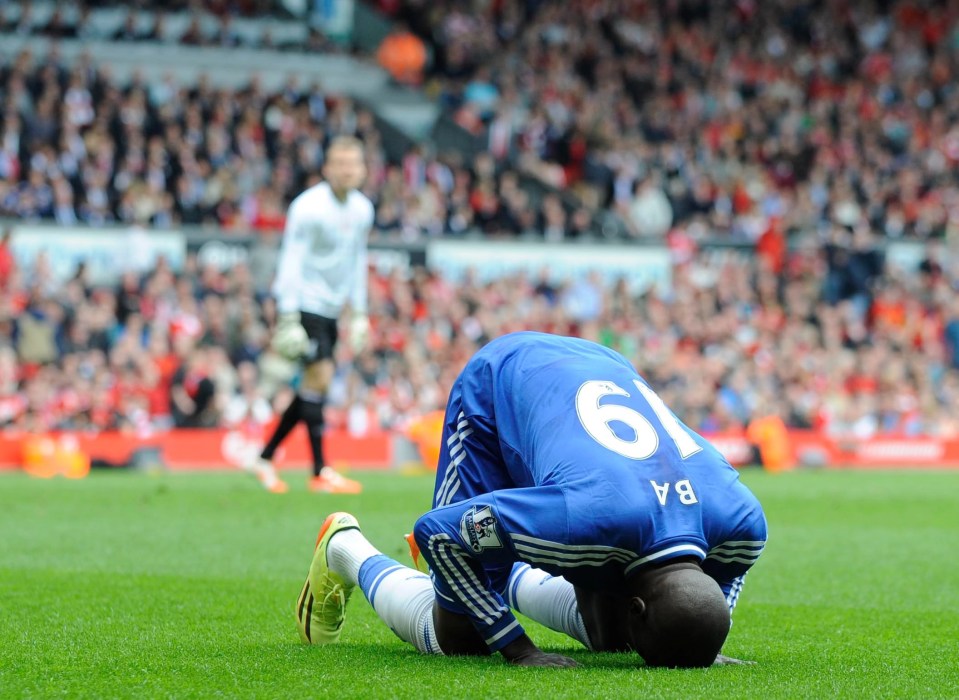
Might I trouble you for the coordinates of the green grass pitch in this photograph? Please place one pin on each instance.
(170, 586)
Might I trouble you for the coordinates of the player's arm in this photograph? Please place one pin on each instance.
(728, 563)
(359, 321)
(290, 338)
(294, 247)
(730, 578)
(458, 637)
(471, 617)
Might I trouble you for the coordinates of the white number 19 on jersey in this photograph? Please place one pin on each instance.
(596, 419)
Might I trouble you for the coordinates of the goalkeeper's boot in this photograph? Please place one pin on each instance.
(321, 606)
(331, 481)
(264, 470)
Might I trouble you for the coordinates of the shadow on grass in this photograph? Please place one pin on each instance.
(389, 656)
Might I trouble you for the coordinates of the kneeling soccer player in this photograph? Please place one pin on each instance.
(557, 455)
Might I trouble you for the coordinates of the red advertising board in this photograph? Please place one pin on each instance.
(812, 448)
(224, 449)
(214, 449)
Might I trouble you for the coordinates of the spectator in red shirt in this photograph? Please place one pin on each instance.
(193, 393)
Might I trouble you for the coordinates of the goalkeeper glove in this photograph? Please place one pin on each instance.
(290, 339)
(359, 332)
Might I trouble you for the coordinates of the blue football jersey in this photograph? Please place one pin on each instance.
(557, 453)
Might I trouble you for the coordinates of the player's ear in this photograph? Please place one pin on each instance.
(637, 624)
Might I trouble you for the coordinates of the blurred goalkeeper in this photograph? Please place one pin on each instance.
(556, 455)
(322, 270)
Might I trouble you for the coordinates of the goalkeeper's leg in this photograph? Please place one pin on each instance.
(401, 596)
(288, 421)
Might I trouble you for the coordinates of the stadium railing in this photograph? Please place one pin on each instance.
(645, 263)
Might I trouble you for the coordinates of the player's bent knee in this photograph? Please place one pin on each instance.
(424, 528)
(421, 532)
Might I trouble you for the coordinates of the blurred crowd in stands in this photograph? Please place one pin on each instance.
(714, 117)
(77, 148)
(640, 119)
(825, 338)
(224, 23)
(830, 126)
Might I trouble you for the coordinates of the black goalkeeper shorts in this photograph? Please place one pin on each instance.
(322, 332)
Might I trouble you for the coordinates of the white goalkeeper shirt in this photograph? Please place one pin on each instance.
(322, 263)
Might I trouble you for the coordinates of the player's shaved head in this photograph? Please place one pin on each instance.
(680, 617)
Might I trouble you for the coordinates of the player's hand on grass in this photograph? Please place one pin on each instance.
(730, 661)
(522, 652)
(544, 660)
